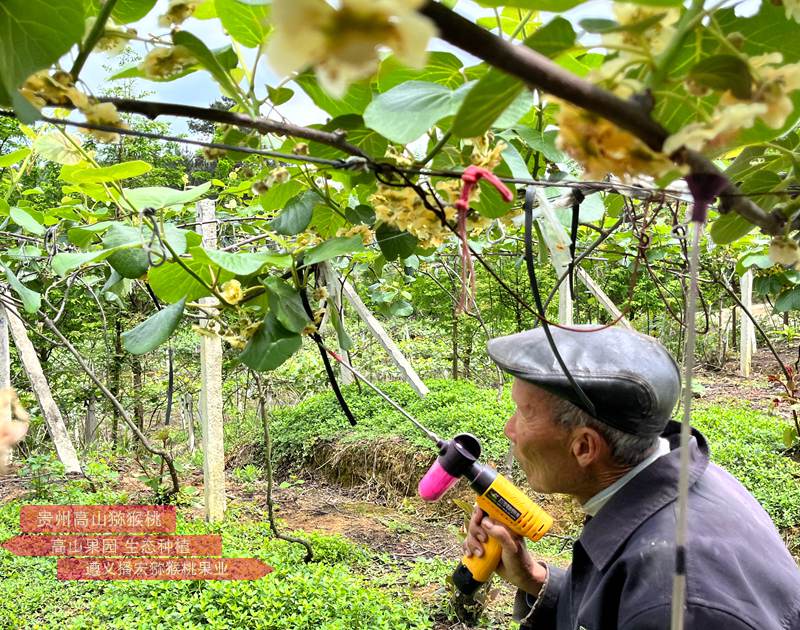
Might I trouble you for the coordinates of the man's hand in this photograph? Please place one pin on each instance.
(517, 566)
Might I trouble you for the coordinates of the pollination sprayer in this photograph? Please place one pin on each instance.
(498, 497)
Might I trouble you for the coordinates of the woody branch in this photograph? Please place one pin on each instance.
(538, 71)
(152, 110)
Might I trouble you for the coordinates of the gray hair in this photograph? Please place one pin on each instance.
(626, 449)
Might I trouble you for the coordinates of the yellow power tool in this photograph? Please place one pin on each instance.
(498, 497)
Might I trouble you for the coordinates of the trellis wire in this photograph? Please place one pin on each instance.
(359, 163)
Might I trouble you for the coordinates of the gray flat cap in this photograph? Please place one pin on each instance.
(630, 378)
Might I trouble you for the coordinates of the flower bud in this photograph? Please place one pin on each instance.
(784, 251)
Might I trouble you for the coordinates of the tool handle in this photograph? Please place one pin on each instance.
(473, 571)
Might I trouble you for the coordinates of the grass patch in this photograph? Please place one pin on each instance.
(332, 592)
(748, 445)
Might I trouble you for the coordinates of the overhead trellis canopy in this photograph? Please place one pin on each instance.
(608, 116)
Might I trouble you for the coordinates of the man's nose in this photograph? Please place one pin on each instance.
(509, 429)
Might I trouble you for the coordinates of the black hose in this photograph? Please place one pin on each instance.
(587, 404)
(577, 199)
(328, 368)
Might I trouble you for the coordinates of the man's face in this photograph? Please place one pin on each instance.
(541, 447)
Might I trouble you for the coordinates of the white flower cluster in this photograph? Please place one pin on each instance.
(342, 44)
(770, 102)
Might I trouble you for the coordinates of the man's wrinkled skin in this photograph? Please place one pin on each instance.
(555, 460)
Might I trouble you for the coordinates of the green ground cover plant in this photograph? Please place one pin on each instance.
(451, 407)
(332, 592)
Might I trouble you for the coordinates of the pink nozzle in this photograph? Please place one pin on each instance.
(435, 483)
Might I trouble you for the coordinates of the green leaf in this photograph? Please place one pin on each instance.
(360, 214)
(247, 24)
(280, 95)
(766, 31)
(325, 221)
(544, 142)
(170, 282)
(270, 346)
(241, 263)
(516, 110)
(67, 261)
(789, 300)
(515, 162)
(27, 222)
(395, 243)
(508, 23)
(296, 216)
(443, 68)
(208, 11)
(345, 343)
(407, 111)
(496, 91)
(34, 34)
(332, 248)
(285, 302)
(130, 263)
(155, 330)
(227, 57)
(83, 235)
(207, 60)
(763, 180)
(127, 11)
(580, 64)
(58, 148)
(789, 436)
(158, 197)
(113, 283)
(601, 25)
(491, 204)
(354, 101)
(724, 72)
(15, 156)
(401, 308)
(747, 261)
(87, 174)
(552, 39)
(277, 196)
(357, 133)
(31, 300)
(730, 227)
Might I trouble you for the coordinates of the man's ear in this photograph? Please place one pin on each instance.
(588, 446)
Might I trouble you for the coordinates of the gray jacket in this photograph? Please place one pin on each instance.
(739, 573)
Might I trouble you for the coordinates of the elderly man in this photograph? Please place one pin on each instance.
(622, 466)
